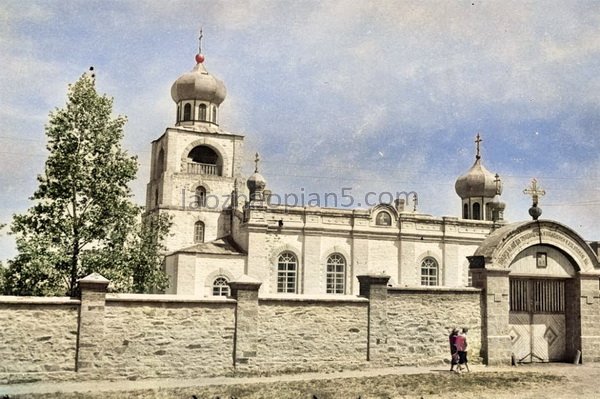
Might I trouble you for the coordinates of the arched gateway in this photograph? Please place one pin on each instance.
(541, 302)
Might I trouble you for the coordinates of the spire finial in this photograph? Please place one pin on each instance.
(200, 56)
(497, 181)
(200, 42)
(534, 191)
(256, 161)
(478, 140)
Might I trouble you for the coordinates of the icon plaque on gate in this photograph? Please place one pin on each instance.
(541, 259)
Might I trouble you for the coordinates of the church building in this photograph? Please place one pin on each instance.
(225, 227)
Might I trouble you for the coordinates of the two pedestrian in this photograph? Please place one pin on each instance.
(461, 345)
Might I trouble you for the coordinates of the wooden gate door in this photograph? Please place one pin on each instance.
(537, 319)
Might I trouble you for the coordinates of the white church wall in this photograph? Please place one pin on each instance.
(209, 267)
(383, 257)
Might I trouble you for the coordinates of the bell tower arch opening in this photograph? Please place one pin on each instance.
(204, 160)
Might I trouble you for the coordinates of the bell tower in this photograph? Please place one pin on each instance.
(195, 165)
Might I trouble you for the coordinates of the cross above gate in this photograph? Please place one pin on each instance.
(534, 191)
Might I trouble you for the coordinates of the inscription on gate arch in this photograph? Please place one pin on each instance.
(544, 235)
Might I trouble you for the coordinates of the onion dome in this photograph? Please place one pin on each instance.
(256, 183)
(198, 84)
(477, 182)
(497, 204)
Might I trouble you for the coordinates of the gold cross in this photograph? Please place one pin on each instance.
(497, 181)
(256, 161)
(478, 140)
(534, 191)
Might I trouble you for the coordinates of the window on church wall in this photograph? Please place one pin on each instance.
(287, 273)
(199, 232)
(429, 272)
(199, 198)
(465, 211)
(202, 112)
(383, 219)
(187, 112)
(220, 287)
(476, 211)
(336, 274)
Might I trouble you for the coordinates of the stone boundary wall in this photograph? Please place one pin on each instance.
(38, 336)
(131, 336)
(154, 336)
(419, 321)
(311, 334)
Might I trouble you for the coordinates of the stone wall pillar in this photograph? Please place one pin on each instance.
(495, 307)
(245, 291)
(374, 287)
(90, 336)
(590, 322)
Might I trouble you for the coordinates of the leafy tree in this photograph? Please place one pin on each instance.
(83, 219)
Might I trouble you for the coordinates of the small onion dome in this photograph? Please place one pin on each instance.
(198, 84)
(477, 182)
(256, 183)
(497, 204)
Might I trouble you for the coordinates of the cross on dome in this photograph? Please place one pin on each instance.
(534, 191)
(200, 56)
(256, 161)
(497, 181)
(200, 42)
(478, 140)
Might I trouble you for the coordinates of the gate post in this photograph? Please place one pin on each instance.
(245, 291)
(589, 321)
(374, 287)
(91, 321)
(495, 307)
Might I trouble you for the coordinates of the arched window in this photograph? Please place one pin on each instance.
(220, 287)
(214, 114)
(336, 274)
(199, 232)
(187, 112)
(202, 112)
(429, 272)
(200, 197)
(465, 211)
(476, 211)
(383, 219)
(287, 272)
(160, 164)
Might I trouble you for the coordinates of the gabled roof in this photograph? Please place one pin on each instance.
(221, 246)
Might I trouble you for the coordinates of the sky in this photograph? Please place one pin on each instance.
(365, 96)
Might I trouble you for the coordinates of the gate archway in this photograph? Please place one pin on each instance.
(534, 275)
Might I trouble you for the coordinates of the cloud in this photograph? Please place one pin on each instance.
(321, 88)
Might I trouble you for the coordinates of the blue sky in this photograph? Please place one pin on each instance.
(372, 96)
